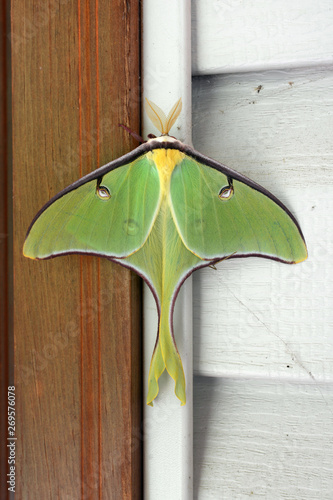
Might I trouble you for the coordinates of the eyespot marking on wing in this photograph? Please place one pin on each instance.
(226, 192)
(103, 192)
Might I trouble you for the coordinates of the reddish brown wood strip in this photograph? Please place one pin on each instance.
(119, 362)
(89, 270)
(77, 319)
(5, 265)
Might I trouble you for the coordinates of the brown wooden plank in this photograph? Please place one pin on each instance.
(123, 411)
(4, 252)
(77, 319)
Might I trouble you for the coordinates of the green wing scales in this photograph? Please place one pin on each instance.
(165, 210)
(104, 216)
(246, 221)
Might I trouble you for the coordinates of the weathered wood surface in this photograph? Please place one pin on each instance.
(260, 316)
(263, 399)
(262, 439)
(77, 319)
(263, 330)
(5, 264)
(229, 36)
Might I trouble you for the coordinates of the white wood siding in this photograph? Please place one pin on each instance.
(249, 35)
(263, 331)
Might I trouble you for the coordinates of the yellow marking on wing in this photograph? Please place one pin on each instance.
(303, 258)
(165, 160)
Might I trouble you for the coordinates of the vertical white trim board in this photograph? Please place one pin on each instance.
(168, 454)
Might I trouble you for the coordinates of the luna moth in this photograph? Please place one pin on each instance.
(165, 210)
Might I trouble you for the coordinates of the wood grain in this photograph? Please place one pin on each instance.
(255, 317)
(231, 37)
(77, 319)
(5, 267)
(263, 330)
(259, 439)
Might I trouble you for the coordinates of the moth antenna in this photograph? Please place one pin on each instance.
(156, 116)
(173, 114)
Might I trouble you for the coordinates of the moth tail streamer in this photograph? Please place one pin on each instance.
(166, 355)
(157, 367)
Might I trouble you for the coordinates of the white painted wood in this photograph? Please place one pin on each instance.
(284, 129)
(263, 331)
(168, 427)
(258, 439)
(237, 35)
(259, 317)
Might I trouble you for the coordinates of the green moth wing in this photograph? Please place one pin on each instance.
(164, 210)
(220, 213)
(101, 214)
